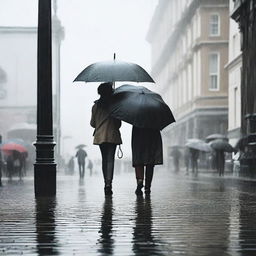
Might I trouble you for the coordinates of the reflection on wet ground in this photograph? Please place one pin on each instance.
(185, 215)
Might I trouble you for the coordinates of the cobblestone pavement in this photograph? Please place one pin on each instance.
(185, 215)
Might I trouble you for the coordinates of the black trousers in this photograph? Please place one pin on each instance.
(108, 158)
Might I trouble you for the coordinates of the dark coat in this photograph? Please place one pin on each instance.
(147, 148)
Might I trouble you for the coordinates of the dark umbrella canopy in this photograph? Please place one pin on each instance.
(198, 145)
(140, 107)
(113, 71)
(223, 145)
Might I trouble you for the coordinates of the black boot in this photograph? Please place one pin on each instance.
(138, 191)
(108, 188)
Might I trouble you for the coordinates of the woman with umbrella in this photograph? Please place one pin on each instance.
(147, 151)
(106, 133)
(148, 114)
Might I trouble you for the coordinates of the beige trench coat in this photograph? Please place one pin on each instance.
(106, 128)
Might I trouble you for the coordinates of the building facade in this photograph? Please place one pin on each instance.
(244, 13)
(18, 81)
(234, 67)
(189, 49)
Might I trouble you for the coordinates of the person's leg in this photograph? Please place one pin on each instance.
(80, 171)
(149, 177)
(139, 172)
(108, 158)
(83, 167)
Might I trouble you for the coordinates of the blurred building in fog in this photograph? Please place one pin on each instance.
(18, 81)
(234, 67)
(244, 13)
(189, 49)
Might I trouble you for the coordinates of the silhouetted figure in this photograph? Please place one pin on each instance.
(186, 157)
(10, 165)
(176, 154)
(106, 133)
(194, 154)
(17, 163)
(90, 166)
(147, 151)
(71, 165)
(81, 155)
(220, 162)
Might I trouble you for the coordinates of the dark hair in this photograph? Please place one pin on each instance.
(105, 89)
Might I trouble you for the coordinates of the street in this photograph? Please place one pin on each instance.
(190, 215)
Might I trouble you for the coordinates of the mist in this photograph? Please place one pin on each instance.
(93, 31)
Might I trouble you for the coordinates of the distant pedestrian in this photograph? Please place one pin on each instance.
(71, 165)
(186, 157)
(194, 154)
(81, 155)
(90, 166)
(176, 154)
(10, 165)
(147, 151)
(106, 133)
(18, 163)
(220, 161)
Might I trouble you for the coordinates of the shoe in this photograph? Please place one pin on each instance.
(147, 191)
(138, 191)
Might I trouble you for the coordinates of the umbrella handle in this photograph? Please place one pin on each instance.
(119, 152)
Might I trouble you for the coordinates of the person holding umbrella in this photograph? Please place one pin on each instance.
(147, 151)
(149, 114)
(81, 155)
(106, 133)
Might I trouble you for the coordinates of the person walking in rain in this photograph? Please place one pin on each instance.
(81, 155)
(176, 154)
(90, 166)
(106, 133)
(220, 161)
(147, 151)
(194, 154)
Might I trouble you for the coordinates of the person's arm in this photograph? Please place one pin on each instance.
(92, 122)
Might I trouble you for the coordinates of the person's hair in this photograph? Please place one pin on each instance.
(105, 89)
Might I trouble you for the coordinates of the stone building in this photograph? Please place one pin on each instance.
(189, 49)
(244, 13)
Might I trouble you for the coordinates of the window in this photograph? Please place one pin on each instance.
(214, 71)
(214, 25)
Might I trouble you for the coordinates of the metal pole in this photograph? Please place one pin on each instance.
(45, 166)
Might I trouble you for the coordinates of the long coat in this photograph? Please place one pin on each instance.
(106, 127)
(147, 148)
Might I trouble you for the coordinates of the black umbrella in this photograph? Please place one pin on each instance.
(140, 107)
(223, 145)
(113, 71)
(215, 136)
(198, 145)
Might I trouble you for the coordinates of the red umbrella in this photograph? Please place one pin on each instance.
(13, 146)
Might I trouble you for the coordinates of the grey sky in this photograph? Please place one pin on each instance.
(94, 30)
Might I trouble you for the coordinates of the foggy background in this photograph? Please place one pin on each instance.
(94, 31)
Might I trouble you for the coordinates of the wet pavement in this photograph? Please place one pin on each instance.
(185, 215)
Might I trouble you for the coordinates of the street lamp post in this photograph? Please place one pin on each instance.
(45, 166)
